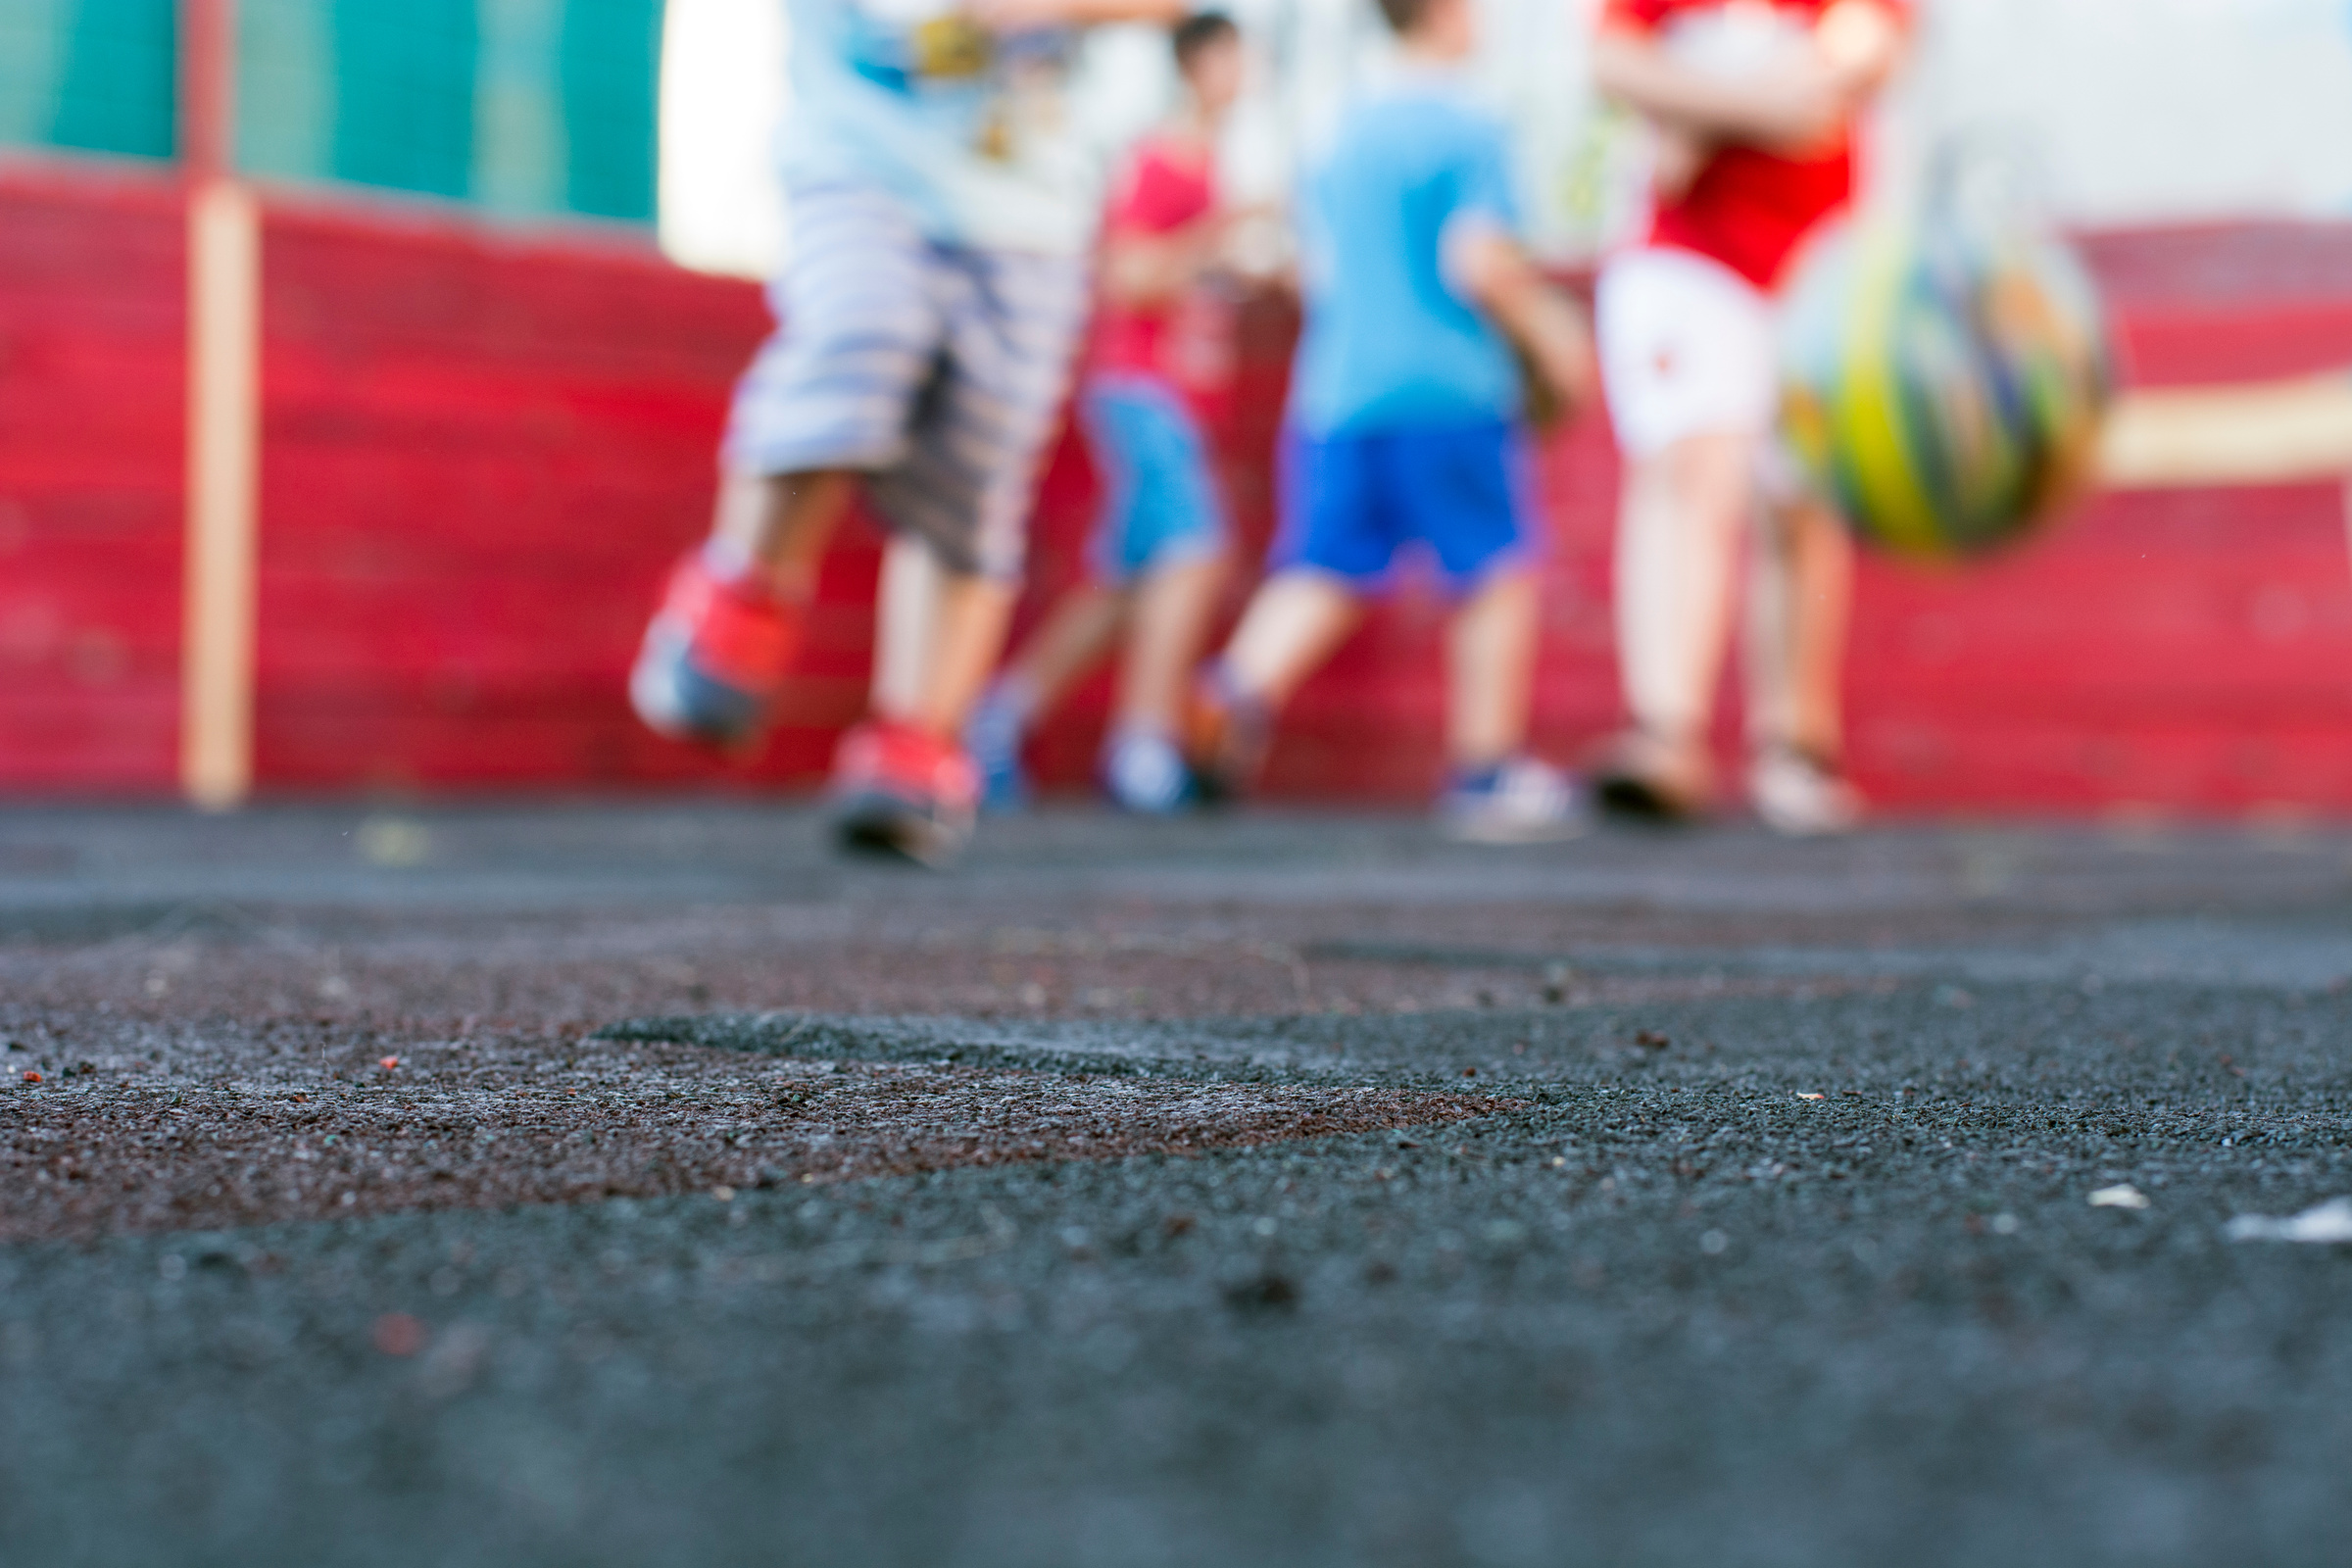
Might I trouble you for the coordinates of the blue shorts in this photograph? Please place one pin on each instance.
(1352, 502)
(1159, 503)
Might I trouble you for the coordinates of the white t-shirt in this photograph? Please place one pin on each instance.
(971, 131)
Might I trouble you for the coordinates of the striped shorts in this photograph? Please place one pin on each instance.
(936, 371)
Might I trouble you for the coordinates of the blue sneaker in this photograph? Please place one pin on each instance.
(993, 737)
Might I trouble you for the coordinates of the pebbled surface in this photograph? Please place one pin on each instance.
(1277, 1192)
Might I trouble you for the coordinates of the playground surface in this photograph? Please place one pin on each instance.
(642, 1185)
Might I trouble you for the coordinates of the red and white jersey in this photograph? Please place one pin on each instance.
(1747, 208)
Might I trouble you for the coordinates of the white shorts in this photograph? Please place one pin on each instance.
(1688, 347)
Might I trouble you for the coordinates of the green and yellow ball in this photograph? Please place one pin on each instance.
(1944, 388)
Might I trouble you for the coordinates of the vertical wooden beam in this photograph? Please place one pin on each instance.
(223, 420)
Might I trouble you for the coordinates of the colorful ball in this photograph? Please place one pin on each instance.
(1943, 386)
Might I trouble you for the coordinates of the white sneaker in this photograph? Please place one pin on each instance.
(1797, 796)
(1521, 802)
(1145, 773)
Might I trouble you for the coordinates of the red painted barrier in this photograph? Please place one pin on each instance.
(91, 330)
(482, 452)
(2186, 650)
(478, 453)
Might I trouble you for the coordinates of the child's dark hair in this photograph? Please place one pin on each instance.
(1404, 14)
(1198, 31)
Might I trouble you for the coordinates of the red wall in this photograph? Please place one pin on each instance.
(481, 453)
(91, 328)
(2184, 649)
(476, 456)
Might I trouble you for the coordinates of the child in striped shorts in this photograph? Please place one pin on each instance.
(941, 208)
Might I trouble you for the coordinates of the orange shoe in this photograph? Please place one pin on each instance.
(1227, 733)
(903, 791)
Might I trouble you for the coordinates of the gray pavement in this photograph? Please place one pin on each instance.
(1747, 1219)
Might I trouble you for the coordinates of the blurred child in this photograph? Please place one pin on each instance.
(1754, 103)
(1162, 351)
(942, 210)
(1405, 429)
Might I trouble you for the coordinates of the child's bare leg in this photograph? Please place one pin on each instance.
(783, 522)
(1294, 621)
(1167, 624)
(1801, 589)
(1800, 600)
(906, 623)
(1491, 657)
(937, 636)
(971, 616)
(1678, 541)
(1293, 624)
(1078, 631)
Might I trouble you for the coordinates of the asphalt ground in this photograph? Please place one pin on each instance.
(582, 1185)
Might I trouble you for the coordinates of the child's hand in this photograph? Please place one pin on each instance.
(1485, 265)
(1802, 106)
(1860, 41)
(1015, 16)
(1029, 15)
(1677, 155)
(1565, 377)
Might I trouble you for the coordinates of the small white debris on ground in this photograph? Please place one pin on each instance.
(2331, 1221)
(2122, 1196)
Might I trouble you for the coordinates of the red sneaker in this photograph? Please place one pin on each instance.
(898, 789)
(715, 654)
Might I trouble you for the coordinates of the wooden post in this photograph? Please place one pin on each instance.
(223, 420)
(2254, 432)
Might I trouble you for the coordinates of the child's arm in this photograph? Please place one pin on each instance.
(1145, 268)
(1488, 268)
(1796, 103)
(1021, 16)
(1142, 267)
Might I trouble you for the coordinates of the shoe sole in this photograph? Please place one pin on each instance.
(887, 828)
(1506, 833)
(1796, 828)
(1186, 800)
(1640, 800)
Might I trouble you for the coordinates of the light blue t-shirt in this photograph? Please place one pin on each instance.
(1387, 342)
(970, 131)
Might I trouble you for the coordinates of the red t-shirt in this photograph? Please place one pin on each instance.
(1746, 208)
(1164, 186)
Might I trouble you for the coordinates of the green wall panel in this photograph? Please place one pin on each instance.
(98, 76)
(533, 107)
(611, 74)
(404, 78)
